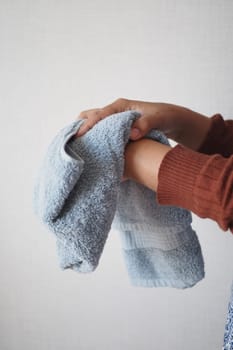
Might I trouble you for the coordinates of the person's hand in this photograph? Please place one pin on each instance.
(147, 121)
(178, 123)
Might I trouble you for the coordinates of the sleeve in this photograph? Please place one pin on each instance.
(202, 183)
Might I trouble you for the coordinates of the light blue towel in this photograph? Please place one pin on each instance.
(79, 194)
(228, 334)
(159, 245)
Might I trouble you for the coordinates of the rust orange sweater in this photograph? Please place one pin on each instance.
(202, 181)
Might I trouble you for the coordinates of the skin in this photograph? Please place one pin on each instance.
(143, 157)
(142, 162)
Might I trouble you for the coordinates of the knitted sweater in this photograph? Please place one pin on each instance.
(202, 181)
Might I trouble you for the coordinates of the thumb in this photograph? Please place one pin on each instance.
(140, 128)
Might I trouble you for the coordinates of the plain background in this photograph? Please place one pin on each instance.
(56, 59)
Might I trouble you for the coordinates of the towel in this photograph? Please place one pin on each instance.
(79, 195)
(159, 245)
(228, 333)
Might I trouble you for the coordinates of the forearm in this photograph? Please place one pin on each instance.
(184, 178)
(219, 138)
(189, 128)
(198, 182)
(142, 161)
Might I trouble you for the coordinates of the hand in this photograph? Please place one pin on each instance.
(146, 109)
(178, 123)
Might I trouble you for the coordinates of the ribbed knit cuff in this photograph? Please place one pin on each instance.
(177, 176)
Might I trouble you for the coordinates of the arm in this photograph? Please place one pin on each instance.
(185, 178)
(200, 181)
(203, 182)
(219, 138)
(181, 124)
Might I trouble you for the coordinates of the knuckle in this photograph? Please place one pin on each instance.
(83, 114)
(121, 100)
(96, 114)
(118, 105)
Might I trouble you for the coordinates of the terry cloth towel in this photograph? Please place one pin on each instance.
(78, 194)
(228, 334)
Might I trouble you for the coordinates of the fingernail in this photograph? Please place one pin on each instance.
(135, 132)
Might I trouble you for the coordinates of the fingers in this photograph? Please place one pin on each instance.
(141, 127)
(93, 116)
(152, 116)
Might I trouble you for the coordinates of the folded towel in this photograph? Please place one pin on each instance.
(159, 245)
(79, 191)
(228, 334)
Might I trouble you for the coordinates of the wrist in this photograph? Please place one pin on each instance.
(192, 128)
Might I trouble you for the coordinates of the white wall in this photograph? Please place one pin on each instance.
(56, 59)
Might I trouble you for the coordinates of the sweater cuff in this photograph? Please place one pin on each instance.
(177, 176)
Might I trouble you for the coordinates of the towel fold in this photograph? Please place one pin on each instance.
(78, 195)
(159, 245)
